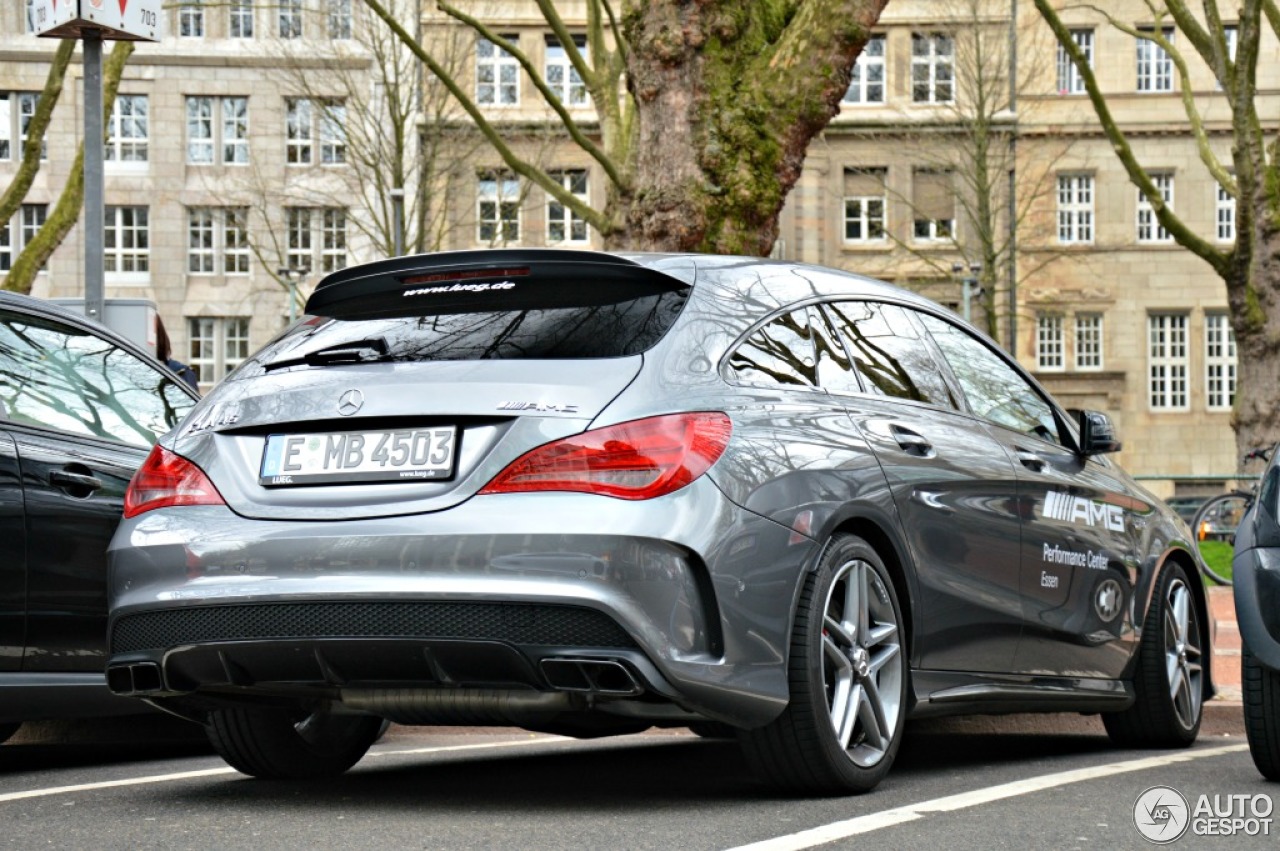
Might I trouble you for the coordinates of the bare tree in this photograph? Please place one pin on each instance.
(1250, 266)
(704, 111)
(66, 212)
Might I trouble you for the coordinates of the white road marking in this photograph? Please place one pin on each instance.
(214, 772)
(911, 812)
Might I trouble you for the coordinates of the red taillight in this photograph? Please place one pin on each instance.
(641, 459)
(166, 479)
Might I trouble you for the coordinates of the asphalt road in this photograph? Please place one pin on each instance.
(479, 789)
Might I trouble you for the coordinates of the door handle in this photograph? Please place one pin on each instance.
(910, 442)
(1030, 460)
(79, 481)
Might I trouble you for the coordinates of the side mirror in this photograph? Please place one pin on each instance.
(1097, 434)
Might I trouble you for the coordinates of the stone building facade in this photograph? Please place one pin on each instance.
(225, 168)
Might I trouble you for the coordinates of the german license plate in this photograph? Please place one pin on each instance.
(358, 456)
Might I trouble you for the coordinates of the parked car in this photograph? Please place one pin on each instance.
(1256, 572)
(587, 493)
(80, 408)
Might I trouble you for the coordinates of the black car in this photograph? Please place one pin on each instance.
(1256, 572)
(589, 493)
(80, 407)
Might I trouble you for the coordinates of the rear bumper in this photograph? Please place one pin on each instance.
(689, 593)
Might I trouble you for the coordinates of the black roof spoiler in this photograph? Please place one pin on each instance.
(483, 281)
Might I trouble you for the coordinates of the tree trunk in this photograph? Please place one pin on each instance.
(1253, 292)
(728, 96)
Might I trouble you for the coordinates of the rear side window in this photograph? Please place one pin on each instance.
(596, 331)
(888, 353)
(58, 376)
(779, 353)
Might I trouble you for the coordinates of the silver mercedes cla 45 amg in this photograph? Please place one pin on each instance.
(588, 493)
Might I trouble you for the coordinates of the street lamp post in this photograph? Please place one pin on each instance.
(397, 220)
(969, 285)
(292, 277)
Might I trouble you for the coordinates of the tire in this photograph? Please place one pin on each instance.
(847, 677)
(1262, 714)
(7, 730)
(275, 742)
(1169, 680)
(1231, 504)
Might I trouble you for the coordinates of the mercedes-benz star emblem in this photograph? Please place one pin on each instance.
(350, 402)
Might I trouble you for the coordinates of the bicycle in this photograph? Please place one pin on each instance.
(1214, 526)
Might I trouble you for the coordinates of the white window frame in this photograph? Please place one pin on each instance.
(339, 28)
(214, 232)
(289, 20)
(225, 142)
(1089, 354)
(299, 240)
(497, 74)
(933, 68)
(1051, 343)
(1168, 362)
(860, 211)
(1220, 366)
(333, 239)
(1224, 214)
(868, 81)
(562, 77)
(498, 211)
(299, 135)
(128, 133)
(191, 19)
(240, 22)
(19, 231)
(564, 226)
(217, 345)
(126, 244)
(1231, 35)
(1150, 231)
(331, 117)
(1075, 209)
(29, 16)
(1155, 70)
(1070, 80)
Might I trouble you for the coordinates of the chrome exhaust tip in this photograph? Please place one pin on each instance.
(593, 676)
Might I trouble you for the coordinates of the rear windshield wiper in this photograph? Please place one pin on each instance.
(359, 351)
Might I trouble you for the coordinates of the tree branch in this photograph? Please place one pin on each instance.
(30, 165)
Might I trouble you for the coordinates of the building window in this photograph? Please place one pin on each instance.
(301, 238)
(1167, 361)
(305, 121)
(1225, 210)
(563, 224)
(1230, 35)
(1075, 209)
(202, 134)
(933, 206)
(240, 19)
(191, 19)
(1070, 80)
(218, 231)
(339, 19)
(19, 231)
(1149, 229)
(1155, 67)
(497, 209)
(17, 109)
(562, 78)
(30, 6)
(932, 68)
(333, 132)
(290, 19)
(867, 83)
(1088, 341)
(218, 344)
(497, 74)
(127, 132)
(1219, 362)
(864, 204)
(126, 242)
(1050, 344)
(298, 235)
(333, 239)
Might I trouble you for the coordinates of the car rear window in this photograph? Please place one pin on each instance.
(595, 331)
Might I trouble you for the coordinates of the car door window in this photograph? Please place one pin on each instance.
(888, 353)
(780, 352)
(835, 367)
(994, 389)
(60, 376)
